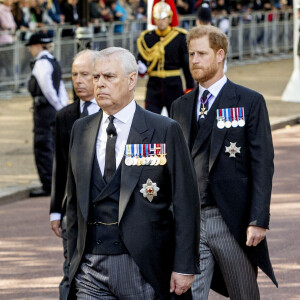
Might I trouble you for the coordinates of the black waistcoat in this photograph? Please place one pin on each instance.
(104, 208)
(201, 160)
(33, 86)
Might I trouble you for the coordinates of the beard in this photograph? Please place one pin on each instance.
(202, 75)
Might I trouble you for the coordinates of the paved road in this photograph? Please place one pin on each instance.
(31, 256)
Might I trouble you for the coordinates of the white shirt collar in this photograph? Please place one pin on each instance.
(124, 115)
(44, 52)
(82, 102)
(215, 88)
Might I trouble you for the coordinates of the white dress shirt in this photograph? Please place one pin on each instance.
(92, 108)
(214, 91)
(123, 120)
(42, 71)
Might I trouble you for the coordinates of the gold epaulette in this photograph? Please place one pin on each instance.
(181, 30)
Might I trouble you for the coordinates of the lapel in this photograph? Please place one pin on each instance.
(87, 141)
(72, 115)
(187, 114)
(227, 99)
(140, 133)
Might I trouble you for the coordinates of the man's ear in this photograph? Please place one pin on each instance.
(220, 55)
(132, 80)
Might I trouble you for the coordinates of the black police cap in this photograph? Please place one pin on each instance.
(39, 38)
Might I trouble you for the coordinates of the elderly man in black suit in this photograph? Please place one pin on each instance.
(227, 129)
(132, 199)
(82, 79)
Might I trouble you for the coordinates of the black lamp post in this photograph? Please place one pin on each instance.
(84, 33)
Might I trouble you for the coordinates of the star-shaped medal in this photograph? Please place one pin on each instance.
(232, 150)
(149, 189)
(203, 113)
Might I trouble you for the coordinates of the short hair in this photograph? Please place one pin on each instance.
(87, 52)
(125, 57)
(217, 39)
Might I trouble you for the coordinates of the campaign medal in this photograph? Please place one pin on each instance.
(163, 154)
(234, 122)
(147, 158)
(232, 150)
(139, 154)
(220, 118)
(152, 154)
(157, 152)
(241, 115)
(128, 158)
(227, 118)
(149, 189)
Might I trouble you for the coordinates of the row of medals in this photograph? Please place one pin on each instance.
(235, 123)
(152, 160)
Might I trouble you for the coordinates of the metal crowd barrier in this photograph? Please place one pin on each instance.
(248, 40)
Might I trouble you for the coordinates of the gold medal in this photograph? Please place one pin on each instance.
(163, 160)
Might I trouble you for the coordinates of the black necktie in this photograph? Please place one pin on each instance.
(203, 107)
(110, 156)
(85, 109)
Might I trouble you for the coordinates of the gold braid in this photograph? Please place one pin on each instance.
(155, 54)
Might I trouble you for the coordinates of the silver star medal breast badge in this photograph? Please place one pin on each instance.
(149, 189)
(232, 150)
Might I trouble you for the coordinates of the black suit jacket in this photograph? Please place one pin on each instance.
(65, 119)
(241, 186)
(162, 236)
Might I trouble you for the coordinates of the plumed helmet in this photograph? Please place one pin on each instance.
(163, 9)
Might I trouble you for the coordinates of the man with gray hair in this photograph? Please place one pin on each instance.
(82, 79)
(132, 200)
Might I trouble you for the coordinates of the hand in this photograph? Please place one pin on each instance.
(255, 235)
(56, 227)
(180, 283)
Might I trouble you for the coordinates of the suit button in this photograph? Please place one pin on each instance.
(117, 243)
(99, 242)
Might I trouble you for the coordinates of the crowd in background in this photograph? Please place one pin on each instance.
(29, 15)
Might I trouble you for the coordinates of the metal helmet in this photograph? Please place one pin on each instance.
(162, 10)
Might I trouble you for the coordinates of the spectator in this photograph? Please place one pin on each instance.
(69, 9)
(119, 14)
(7, 23)
(7, 29)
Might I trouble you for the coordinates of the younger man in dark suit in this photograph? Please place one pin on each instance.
(227, 129)
(82, 78)
(133, 206)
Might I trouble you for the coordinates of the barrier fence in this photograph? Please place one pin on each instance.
(252, 37)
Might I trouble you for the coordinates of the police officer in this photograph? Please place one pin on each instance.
(49, 95)
(162, 55)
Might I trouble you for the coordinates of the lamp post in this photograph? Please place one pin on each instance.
(84, 33)
(292, 90)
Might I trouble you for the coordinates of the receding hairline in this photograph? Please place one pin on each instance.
(87, 52)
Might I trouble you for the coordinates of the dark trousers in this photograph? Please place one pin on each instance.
(44, 124)
(64, 284)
